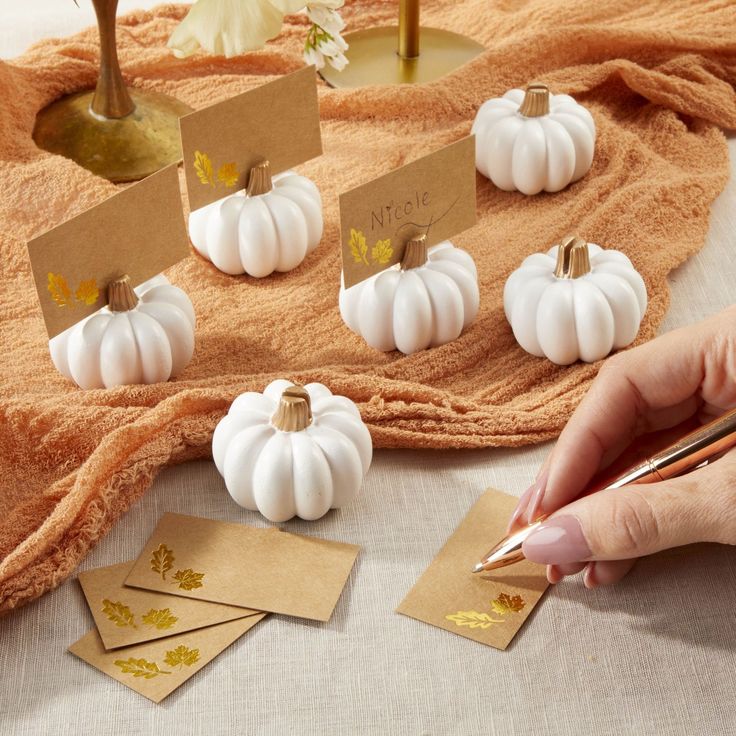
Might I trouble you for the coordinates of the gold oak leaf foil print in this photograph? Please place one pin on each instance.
(59, 290)
(382, 251)
(358, 246)
(162, 560)
(181, 656)
(139, 668)
(118, 613)
(203, 168)
(501, 606)
(160, 618)
(188, 579)
(228, 174)
(473, 619)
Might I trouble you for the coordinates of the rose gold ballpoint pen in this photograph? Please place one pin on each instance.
(705, 443)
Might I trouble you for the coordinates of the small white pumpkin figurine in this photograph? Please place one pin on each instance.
(271, 226)
(577, 301)
(292, 451)
(425, 301)
(533, 141)
(144, 335)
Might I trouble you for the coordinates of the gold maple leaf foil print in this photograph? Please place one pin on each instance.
(59, 289)
(203, 168)
(502, 606)
(506, 604)
(162, 560)
(228, 174)
(139, 668)
(160, 618)
(87, 292)
(382, 251)
(181, 656)
(358, 246)
(118, 613)
(188, 579)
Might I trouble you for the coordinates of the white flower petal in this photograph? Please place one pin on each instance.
(227, 27)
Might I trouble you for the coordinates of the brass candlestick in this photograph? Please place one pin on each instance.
(118, 133)
(403, 54)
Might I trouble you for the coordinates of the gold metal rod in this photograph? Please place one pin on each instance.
(409, 29)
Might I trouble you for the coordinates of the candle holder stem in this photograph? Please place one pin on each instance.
(118, 133)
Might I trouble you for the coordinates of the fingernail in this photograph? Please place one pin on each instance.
(521, 507)
(557, 541)
(537, 495)
(589, 578)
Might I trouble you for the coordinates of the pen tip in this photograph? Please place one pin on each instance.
(479, 567)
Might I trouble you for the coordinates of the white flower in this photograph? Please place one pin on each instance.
(230, 27)
(327, 19)
(324, 42)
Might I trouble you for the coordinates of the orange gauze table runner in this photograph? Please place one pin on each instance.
(657, 78)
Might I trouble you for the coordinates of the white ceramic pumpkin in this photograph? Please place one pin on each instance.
(292, 451)
(144, 335)
(577, 301)
(533, 141)
(426, 301)
(270, 227)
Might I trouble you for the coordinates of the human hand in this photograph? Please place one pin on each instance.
(652, 387)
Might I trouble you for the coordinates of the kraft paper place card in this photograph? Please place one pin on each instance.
(263, 569)
(155, 669)
(433, 196)
(126, 616)
(139, 232)
(277, 122)
(487, 607)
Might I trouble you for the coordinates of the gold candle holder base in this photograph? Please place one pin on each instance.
(374, 58)
(120, 149)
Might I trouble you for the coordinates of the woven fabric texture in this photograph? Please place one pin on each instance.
(657, 79)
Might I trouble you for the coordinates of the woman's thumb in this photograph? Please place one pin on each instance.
(639, 520)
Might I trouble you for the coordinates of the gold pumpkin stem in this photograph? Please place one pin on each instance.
(573, 258)
(294, 412)
(120, 295)
(415, 254)
(536, 101)
(259, 179)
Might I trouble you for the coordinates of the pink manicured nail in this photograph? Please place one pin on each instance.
(521, 507)
(557, 541)
(537, 495)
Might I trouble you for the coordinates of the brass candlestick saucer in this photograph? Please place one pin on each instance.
(119, 134)
(403, 54)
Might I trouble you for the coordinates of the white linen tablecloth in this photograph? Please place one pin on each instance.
(655, 654)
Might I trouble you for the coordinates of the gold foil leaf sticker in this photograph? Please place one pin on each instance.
(139, 668)
(87, 292)
(188, 579)
(59, 289)
(162, 560)
(473, 619)
(506, 604)
(118, 613)
(203, 167)
(160, 618)
(358, 246)
(502, 606)
(181, 656)
(228, 174)
(382, 251)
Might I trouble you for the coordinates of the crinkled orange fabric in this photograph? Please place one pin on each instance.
(657, 78)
